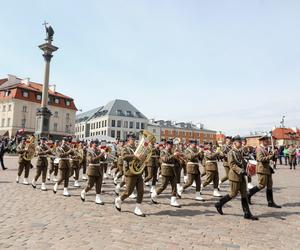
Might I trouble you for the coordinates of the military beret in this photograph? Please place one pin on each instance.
(237, 138)
(169, 142)
(193, 141)
(43, 139)
(228, 137)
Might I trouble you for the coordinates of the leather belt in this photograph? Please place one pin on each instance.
(94, 164)
(192, 163)
(210, 161)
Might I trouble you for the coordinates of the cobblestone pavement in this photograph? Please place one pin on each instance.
(32, 219)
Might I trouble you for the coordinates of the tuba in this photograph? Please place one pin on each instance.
(29, 149)
(142, 152)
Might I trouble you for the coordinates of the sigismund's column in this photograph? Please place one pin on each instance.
(43, 114)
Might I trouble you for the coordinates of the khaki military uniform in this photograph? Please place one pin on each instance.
(64, 152)
(84, 160)
(95, 160)
(193, 157)
(75, 164)
(132, 181)
(237, 180)
(224, 152)
(152, 165)
(211, 168)
(42, 152)
(53, 166)
(264, 172)
(23, 164)
(167, 172)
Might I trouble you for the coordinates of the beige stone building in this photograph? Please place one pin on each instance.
(19, 101)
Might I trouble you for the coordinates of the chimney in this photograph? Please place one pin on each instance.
(12, 79)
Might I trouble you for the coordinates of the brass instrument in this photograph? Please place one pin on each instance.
(142, 153)
(29, 149)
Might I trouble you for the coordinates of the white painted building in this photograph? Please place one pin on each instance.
(116, 119)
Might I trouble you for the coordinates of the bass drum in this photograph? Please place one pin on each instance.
(251, 168)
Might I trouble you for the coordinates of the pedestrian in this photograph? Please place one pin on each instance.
(298, 156)
(286, 154)
(2, 151)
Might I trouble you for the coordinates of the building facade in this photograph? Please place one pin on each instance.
(116, 119)
(19, 101)
(183, 131)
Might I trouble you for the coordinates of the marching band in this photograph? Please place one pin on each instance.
(135, 164)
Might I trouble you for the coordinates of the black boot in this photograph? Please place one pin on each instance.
(221, 202)
(252, 191)
(270, 199)
(246, 209)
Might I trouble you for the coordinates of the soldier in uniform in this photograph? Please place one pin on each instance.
(264, 172)
(132, 180)
(84, 160)
(119, 172)
(211, 168)
(237, 179)
(95, 159)
(152, 166)
(23, 164)
(53, 165)
(64, 152)
(292, 156)
(246, 151)
(76, 159)
(42, 152)
(193, 156)
(224, 152)
(168, 174)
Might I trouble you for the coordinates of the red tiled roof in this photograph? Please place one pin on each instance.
(285, 134)
(33, 89)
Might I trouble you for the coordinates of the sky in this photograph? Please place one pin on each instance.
(232, 65)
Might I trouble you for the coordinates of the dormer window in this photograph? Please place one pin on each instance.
(128, 113)
(38, 97)
(56, 100)
(7, 93)
(25, 94)
(68, 103)
(120, 112)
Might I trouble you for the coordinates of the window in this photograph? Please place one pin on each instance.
(23, 123)
(137, 125)
(119, 123)
(55, 127)
(55, 114)
(119, 134)
(105, 123)
(9, 107)
(130, 124)
(154, 131)
(3, 122)
(113, 123)
(4, 108)
(68, 117)
(25, 94)
(125, 124)
(142, 125)
(38, 97)
(24, 109)
(97, 124)
(7, 93)
(67, 130)
(68, 103)
(8, 122)
(105, 132)
(120, 112)
(128, 113)
(112, 134)
(56, 100)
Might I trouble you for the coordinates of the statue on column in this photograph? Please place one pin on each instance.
(49, 32)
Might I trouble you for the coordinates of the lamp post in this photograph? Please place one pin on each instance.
(43, 114)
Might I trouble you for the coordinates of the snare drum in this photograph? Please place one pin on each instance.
(251, 168)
